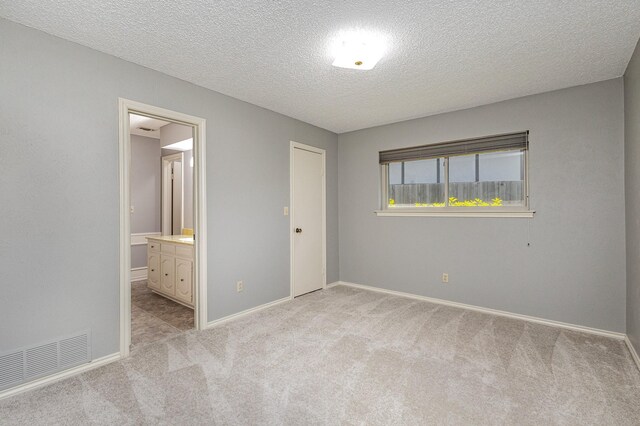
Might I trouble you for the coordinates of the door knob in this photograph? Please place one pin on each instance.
(298, 230)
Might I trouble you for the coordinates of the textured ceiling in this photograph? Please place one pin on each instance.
(442, 55)
(138, 121)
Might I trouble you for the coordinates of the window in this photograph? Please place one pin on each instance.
(482, 176)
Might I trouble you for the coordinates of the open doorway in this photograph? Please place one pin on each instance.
(162, 233)
(162, 296)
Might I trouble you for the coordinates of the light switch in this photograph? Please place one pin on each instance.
(286, 211)
(131, 209)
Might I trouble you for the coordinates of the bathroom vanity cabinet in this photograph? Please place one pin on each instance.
(170, 267)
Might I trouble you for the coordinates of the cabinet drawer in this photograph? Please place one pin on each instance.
(168, 248)
(184, 251)
(153, 245)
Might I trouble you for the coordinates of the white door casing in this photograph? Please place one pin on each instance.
(308, 219)
(125, 107)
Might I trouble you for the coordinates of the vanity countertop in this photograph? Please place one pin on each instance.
(176, 239)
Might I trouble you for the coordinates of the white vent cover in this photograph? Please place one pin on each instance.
(41, 360)
(74, 350)
(11, 369)
(29, 363)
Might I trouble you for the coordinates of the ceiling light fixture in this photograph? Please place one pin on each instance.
(358, 50)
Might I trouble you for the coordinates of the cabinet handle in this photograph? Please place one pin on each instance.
(166, 275)
(153, 270)
(181, 279)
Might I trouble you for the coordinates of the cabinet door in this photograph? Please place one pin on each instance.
(184, 282)
(153, 266)
(168, 275)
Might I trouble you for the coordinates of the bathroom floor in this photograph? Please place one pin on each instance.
(154, 317)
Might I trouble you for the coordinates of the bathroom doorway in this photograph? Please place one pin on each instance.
(163, 237)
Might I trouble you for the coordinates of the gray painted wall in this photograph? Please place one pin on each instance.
(173, 132)
(145, 184)
(138, 256)
(632, 189)
(574, 270)
(60, 190)
(145, 192)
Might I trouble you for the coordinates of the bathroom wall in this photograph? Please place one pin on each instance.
(145, 192)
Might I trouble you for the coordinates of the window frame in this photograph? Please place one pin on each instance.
(450, 211)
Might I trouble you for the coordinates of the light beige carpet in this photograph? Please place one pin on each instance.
(347, 356)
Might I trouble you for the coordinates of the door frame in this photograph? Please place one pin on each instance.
(292, 213)
(167, 204)
(126, 106)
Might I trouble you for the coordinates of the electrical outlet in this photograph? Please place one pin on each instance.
(445, 278)
(239, 286)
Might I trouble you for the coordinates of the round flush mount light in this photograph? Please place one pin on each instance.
(358, 49)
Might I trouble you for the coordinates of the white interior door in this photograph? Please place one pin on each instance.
(307, 220)
(172, 194)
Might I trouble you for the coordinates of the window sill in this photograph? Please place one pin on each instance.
(449, 213)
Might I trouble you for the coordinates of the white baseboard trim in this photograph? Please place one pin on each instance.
(552, 323)
(634, 354)
(232, 317)
(138, 274)
(98, 362)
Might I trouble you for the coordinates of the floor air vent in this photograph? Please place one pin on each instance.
(74, 350)
(11, 369)
(41, 360)
(30, 363)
